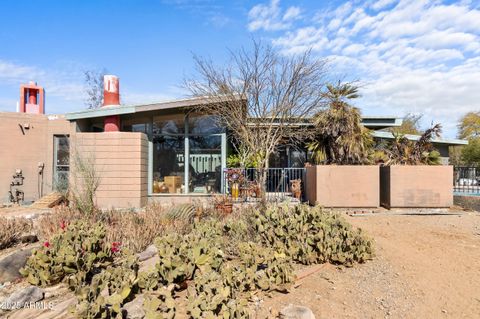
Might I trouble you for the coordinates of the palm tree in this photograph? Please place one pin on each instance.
(340, 136)
(402, 151)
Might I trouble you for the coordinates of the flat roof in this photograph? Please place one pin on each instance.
(376, 122)
(389, 135)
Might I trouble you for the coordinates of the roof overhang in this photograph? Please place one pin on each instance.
(381, 122)
(131, 109)
(389, 135)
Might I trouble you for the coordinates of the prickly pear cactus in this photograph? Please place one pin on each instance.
(107, 292)
(72, 254)
(160, 305)
(209, 297)
(311, 235)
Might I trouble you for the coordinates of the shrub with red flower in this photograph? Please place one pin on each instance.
(63, 225)
(46, 244)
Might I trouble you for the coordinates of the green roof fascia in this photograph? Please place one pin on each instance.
(101, 112)
(389, 135)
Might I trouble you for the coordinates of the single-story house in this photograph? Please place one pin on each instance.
(158, 151)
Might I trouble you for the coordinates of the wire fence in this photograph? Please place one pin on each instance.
(466, 180)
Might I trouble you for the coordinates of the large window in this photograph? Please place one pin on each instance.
(187, 152)
(205, 165)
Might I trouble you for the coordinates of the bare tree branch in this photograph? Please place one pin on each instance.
(94, 88)
(261, 96)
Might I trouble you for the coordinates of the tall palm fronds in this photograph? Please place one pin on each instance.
(402, 151)
(340, 137)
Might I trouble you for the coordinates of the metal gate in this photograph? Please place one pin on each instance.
(278, 182)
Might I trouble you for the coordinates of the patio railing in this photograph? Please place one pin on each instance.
(278, 183)
(466, 180)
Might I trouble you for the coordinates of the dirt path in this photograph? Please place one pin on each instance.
(427, 266)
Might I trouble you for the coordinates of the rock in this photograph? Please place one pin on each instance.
(148, 253)
(11, 264)
(24, 296)
(134, 308)
(28, 239)
(296, 312)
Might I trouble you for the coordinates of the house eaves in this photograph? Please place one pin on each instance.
(137, 108)
(389, 135)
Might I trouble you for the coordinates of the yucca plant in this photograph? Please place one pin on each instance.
(340, 136)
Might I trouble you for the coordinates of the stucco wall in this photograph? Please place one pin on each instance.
(121, 161)
(24, 149)
(343, 186)
(417, 186)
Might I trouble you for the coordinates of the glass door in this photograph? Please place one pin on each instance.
(61, 162)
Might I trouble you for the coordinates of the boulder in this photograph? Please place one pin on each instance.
(23, 296)
(134, 308)
(296, 312)
(148, 253)
(11, 264)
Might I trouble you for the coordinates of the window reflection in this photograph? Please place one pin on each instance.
(168, 136)
(168, 164)
(205, 164)
(169, 124)
(203, 124)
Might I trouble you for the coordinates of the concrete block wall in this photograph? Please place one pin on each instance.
(25, 141)
(121, 161)
(417, 186)
(343, 185)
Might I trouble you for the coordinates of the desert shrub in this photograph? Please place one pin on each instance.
(72, 255)
(311, 235)
(135, 230)
(48, 225)
(11, 229)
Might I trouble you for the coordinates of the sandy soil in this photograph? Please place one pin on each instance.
(427, 265)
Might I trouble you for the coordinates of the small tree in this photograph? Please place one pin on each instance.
(340, 136)
(94, 88)
(261, 96)
(469, 126)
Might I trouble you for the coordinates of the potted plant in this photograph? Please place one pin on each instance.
(223, 204)
(342, 149)
(412, 175)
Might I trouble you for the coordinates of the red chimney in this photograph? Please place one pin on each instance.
(32, 98)
(111, 97)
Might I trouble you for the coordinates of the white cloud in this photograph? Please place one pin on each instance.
(270, 17)
(292, 13)
(420, 56)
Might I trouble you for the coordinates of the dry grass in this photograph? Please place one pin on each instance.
(134, 230)
(12, 229)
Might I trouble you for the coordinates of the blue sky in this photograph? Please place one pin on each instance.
(410, 55)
